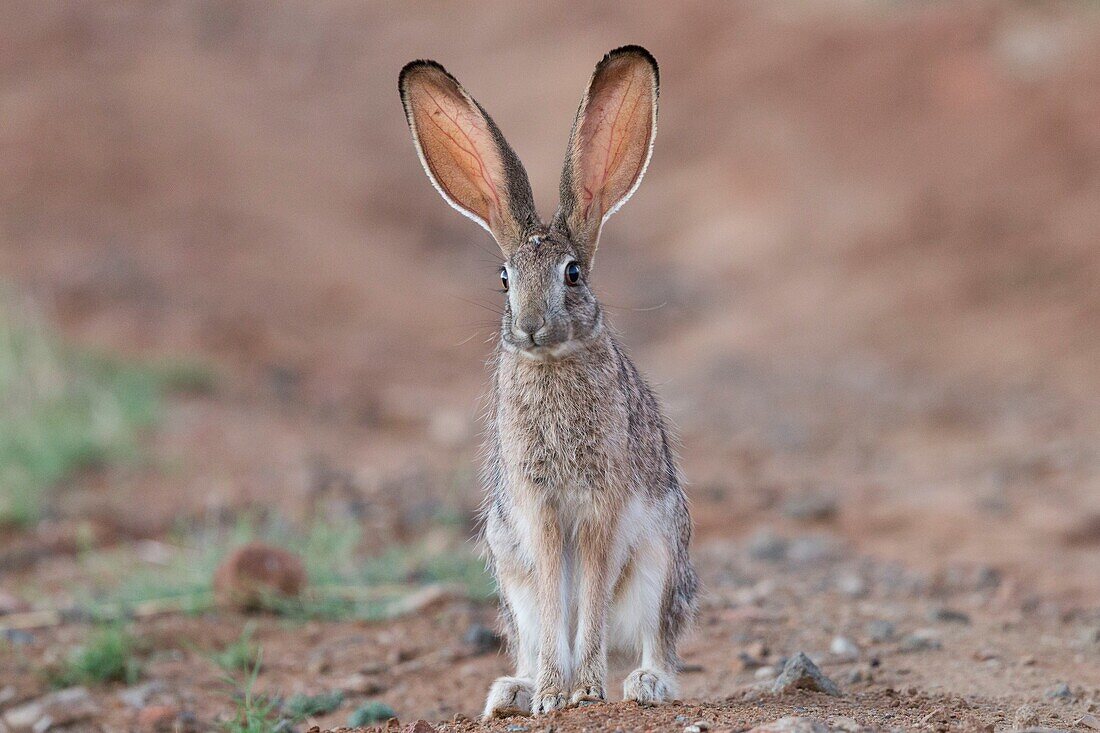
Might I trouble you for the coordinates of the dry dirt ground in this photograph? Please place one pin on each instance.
(862, 272)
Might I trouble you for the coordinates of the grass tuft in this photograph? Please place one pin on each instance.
(254, 713)
(300, 707)
(66, 410)
(240, 655)
(370, 713)
(108, 656)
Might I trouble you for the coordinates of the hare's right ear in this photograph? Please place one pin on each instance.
(464, 154)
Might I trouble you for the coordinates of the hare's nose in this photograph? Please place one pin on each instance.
(529, 325)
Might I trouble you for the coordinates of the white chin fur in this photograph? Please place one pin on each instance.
(544, 353)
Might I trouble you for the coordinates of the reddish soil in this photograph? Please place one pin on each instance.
(862, 272)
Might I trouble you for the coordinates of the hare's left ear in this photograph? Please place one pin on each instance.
(465, 155)
(611, 143)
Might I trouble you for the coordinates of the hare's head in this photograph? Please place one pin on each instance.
(549, 309)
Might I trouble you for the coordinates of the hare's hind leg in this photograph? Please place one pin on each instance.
(512, 695)
(640, 624)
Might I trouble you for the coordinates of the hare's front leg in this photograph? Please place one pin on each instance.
(551, 592)
(598, 566)
(512, 695)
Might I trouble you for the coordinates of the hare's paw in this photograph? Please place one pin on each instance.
(547, 700)
(509, 696)
(649, 687)
(587, 694)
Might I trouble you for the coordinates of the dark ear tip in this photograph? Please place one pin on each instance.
(637, 51)
(413, 66)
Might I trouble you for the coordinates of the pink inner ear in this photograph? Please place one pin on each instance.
(613, 140)
(458, 146)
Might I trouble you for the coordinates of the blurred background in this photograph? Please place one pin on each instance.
(863, 272)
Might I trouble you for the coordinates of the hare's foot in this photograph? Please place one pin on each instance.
(649, 686)
(586, 694)
(547, 700)
(509, 696)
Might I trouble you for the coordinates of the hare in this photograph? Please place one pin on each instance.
(586, 523)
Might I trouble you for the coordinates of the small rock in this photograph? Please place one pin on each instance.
(1060, 691)
(880, 631)
(420, 726)
(137, 696)
(360, 684)
(800, 673)
(252, 574)
(766, 545)
(812, 506)
(1025, 717)
(1090, 636)
(765, 673)
(158, 717)
(481, 639)
(851, 585)
(1089, 721)
(948, 615)
(844, 648)
(753, 656)
(792, 724)
(986, 655)
(813, 550)
(516, 728)
(921, 640)
(57, 708)
(18, 637)
(862, 673)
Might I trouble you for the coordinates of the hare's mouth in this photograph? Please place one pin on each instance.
(548, 352)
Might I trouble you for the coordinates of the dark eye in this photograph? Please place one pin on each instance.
(504, 277)
(572, 273)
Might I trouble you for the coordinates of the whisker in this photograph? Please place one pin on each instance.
(644, 309)
(479, 305)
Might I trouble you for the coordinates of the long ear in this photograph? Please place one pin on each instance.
(464, 154)
(611, 142)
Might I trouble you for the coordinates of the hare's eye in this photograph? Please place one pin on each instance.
(504, 277)
(572, 273)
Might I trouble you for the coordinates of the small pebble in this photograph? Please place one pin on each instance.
(810, 507)
(516, 728)
(844, 648)
(1089, 721)
(765, 673)
(921, 640)
(766, 545)
(481, 639)
(851, 585)
(1060, 691)
(1025, 717)
(18, 637)
(880, 631)
(948, 615)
